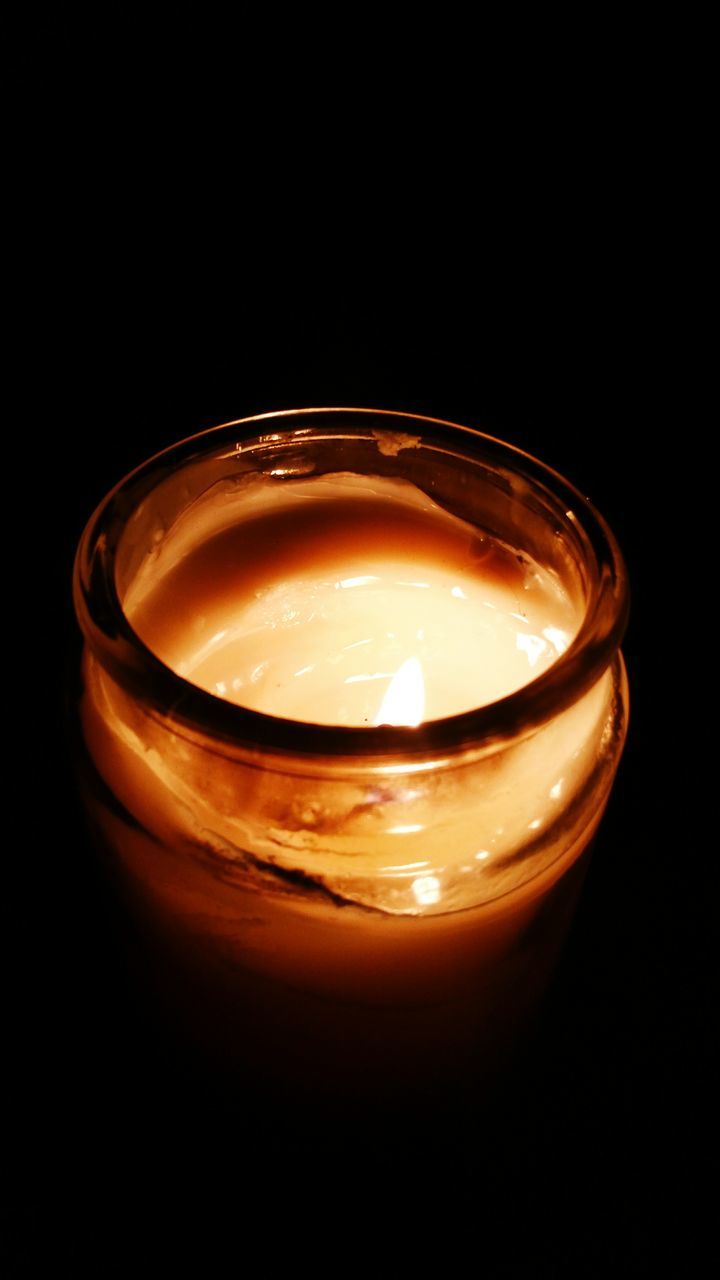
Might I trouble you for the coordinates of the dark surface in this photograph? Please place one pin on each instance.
(132, 336)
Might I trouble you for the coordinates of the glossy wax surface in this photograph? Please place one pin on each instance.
(349, 601)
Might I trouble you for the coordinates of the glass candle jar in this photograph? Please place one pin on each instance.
(350, 892)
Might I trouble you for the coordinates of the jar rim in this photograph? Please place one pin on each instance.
(121, 651)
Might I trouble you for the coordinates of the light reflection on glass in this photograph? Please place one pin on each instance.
(375, 675)
(426, 890)
(357, 582)
(559, 639)
(532, 646)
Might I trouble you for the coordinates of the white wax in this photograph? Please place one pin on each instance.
(353, 602)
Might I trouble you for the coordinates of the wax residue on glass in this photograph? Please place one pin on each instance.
(350, 602)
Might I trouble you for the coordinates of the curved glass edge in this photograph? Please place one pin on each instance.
(128, 660)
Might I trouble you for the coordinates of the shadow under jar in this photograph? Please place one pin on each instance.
(352, 706)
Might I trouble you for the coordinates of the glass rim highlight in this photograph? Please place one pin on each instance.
(129, 661)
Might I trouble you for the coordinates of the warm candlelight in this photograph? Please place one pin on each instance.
(353, 793)
(361, 603)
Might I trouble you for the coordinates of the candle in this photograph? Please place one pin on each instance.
(354, 748)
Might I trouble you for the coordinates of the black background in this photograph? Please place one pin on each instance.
(148, 309)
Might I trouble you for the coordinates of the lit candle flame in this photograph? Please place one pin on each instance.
(404, 702)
